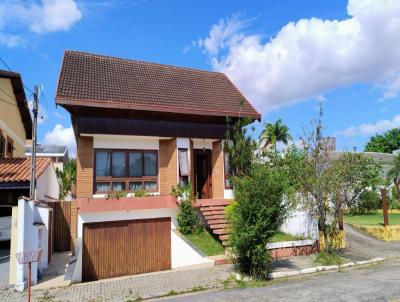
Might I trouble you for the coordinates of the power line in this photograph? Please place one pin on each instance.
(9, 69)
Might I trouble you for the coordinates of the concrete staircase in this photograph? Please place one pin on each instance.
(213, 215)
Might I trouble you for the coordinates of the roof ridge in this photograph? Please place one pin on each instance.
(144, 62)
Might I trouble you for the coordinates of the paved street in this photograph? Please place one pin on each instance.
(363, 247)
(376, 283)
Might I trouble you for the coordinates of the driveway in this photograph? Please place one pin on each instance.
(363, 247)
(379, 282)
(4, 265)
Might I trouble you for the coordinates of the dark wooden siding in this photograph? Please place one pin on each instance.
(120, 248)
(62, 225)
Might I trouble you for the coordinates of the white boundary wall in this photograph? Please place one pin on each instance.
(32, 234)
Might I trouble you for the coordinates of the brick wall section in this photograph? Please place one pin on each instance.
(74, 223)
(168, 155)
(217, 170)
(84, 167)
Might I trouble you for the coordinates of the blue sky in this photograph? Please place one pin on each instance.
(285, 55)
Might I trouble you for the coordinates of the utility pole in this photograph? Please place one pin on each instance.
(32, 189)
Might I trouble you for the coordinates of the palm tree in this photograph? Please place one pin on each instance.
(274, 133)
(394, 175)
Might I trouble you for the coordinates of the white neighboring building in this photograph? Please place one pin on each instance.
(58, 154)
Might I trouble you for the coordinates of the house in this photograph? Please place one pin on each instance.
(143, 126)
(15, 129)
(58, 154)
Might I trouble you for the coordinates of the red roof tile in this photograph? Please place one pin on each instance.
(102, 81)
(19, 169)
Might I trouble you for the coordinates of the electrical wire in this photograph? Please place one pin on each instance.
(9, 69)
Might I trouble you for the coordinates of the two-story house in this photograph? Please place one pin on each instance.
(143, 126)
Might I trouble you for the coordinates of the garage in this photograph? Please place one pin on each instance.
(129, 247)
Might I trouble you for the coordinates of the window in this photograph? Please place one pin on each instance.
(183, 166)
(227, 172)
(2, 144)
(126, 170)
(10, 147)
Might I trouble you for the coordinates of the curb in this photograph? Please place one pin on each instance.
(317, 269)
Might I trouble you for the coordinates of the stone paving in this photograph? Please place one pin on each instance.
(130, 288)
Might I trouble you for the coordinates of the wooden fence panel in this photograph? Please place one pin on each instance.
(64, 217)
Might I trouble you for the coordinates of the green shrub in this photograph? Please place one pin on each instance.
(187, 218)
(116, 195)
(367, 201)
(256, 216)
(141, 193)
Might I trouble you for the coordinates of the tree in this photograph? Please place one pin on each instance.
(274, 133)
(240, 148)
(351, 175)
(386, 142)
(67, 177)
(258, 212)
(394, 175)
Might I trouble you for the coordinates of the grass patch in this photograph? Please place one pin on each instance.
(324, 258)
(206, 243)
(372, 218)
(281, 236)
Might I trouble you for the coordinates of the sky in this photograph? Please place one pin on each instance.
(286, 56)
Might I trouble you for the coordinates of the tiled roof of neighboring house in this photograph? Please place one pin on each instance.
(18, 89)
(18, 169)
(101, 81)
(47, 150)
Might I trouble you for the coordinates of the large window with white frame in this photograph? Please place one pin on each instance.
(125, 170)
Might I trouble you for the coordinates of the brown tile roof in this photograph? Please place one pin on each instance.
(18, 169)
(101, 81)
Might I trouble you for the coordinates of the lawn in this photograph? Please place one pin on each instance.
(206, 243)
(280, 236)
(373, 218)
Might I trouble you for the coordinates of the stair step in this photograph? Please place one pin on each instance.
(221, 231)
(223, 237)
(210, 213)
(213, 217)
(212, 202)
(218, 226)
(212, 208)
(215, 221)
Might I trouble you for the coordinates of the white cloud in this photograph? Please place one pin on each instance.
(37, 17)
(311, 56)
(62, 136)
(372, 128)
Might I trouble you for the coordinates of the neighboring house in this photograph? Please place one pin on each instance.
(15, 129)
(58, 154)
(143, 126)
(385, 159)
(15, 119)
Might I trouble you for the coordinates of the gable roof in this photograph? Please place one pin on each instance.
(18, 89)
(18, 169)
(101, 81)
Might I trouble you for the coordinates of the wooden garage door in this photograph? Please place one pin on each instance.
(119, 248)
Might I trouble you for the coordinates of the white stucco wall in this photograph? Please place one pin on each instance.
(125, 142)
(47, 184)
(182, 254)
(300, 223)
(32, 234)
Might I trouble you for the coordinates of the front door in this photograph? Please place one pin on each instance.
(203, 173)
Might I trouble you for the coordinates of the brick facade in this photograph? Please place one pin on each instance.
(217, 170)
(84, 167)
(168, 158)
